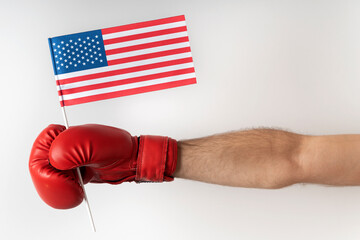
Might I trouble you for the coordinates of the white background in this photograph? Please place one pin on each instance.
(288, 64)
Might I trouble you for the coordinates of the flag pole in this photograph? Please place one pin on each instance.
(80, 178)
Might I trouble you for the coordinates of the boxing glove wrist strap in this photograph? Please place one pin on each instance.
(153, 159)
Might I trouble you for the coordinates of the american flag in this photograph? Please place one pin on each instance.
(123, 60)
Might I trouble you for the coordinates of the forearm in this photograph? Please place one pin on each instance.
(260, 158)
(332, 159)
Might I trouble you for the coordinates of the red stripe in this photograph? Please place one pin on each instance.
(142, 24)
(145, 35)
(126, 81)
(149, 55)
(124, 70)
(146, 45)
(130, 92)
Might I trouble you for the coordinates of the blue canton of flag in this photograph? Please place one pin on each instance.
(76, 52)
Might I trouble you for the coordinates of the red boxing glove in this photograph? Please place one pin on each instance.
(105, 155)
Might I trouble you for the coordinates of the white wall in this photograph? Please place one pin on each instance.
(289, 64)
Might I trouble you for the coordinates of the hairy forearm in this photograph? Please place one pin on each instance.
(259, 158)
(267, 158)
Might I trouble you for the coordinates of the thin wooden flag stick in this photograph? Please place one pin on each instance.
(80, 178)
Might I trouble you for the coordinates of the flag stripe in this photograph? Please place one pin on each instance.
(128, 92)
(143, 24)
(126, 81)
(145, 40)
(124, 76)
(148, 50)
(126, 70)
(144, 30)
(145, 35)
(149, 56)
(127, 86)
(147, 45)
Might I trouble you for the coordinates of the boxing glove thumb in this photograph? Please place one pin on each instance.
(59, 189)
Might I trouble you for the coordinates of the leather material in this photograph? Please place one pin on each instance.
(59, 189)
(105, 155)
(154, 151)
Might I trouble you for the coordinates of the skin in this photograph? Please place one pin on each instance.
(269, 158)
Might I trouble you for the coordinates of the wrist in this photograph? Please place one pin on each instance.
(156, 160)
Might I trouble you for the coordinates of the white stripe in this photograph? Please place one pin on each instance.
(143, 30)
(117, 66)
(148, 50)
(125, 76)
(145, 40)
(127, 86)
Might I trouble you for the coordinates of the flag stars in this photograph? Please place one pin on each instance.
(78, 53)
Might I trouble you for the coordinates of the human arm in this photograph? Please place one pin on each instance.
(269, 158)
(258, 158)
